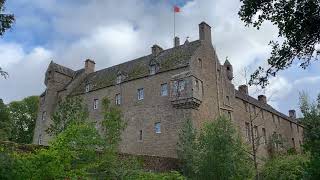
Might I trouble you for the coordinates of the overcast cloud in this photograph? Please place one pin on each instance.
(111, 32)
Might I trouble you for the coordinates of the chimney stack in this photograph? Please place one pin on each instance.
(205, 32)
(262, 98)
(243, 89)
(89, 66)
(176, 41)
(156, 50)
(292, 114)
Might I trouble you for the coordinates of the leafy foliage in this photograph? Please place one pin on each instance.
(187, 149)
(158, 176)
(23, 115)
(5, 123)
(298, 22)
(220, 152)
(71, 110)
(6, 21)
(288, 167)
(311, 133)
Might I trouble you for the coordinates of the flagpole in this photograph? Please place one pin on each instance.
(174, 24)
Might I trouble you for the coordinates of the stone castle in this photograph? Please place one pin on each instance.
(158, 92)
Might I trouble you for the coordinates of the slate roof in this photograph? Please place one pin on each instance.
(262, 105)
(169, 59)
(62, 69)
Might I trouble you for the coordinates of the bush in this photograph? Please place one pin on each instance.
(287, 167)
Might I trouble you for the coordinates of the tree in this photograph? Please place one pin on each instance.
(311, 133)
(6, 21)
(290, 167)
(68, 111)
(187, 149)
(298, 22)
(5, 124)
(219, 152)
(23, 115)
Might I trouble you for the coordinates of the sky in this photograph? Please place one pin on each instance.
(114, 31)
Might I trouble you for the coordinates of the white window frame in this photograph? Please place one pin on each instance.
(140, 94)
(164, 89)
(153, 69)
(157, 127)
(87, 88)
(119, 79)
(118, 99)
(95, 104)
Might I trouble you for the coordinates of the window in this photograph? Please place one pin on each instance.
(254, 109)
(248, 136)
(87, 88)
(95, 104)
(118, 99)
(262, 113)
(256, 133)
(140, 94)
(278, 120)
(229, 115)
(228, 100)
(291, 126)
(181, 85)
(178, 86)
(245, 106)
(40, 139)
(293, 143)
(152, 69)
(164, 89)
(273, 119)
(44, 114)
(200, 62)
(119, 78)
(140, 135)
(298, 128)
(264, 134)
(300, 143)
(157, 127)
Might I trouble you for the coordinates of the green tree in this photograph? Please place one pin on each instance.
(5, 123)
(222, 152)
(23, 115)
(6, 21)
(187, 149)
(311, 133)
(68, 111)
(289, 167)
(298, 22)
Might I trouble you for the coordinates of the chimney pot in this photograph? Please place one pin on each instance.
(156, 50)
(89, 66)
(243, 89)
(262, 98)
(292, 114)
(176, 41)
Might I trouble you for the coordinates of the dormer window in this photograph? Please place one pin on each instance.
(87, 88)
(152, 69)
(119, 79)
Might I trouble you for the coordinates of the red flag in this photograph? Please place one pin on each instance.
(176, 9)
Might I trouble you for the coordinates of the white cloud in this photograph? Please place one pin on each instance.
(307, 80)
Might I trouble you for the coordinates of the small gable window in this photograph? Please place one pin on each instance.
(152, 69)
(44, 114)
(87, 88)
(119, 79)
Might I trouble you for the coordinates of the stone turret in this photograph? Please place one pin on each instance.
(229, 69)
(176, 41)
(292, 114)
(262, 98)
(89, 66)
(243, 89)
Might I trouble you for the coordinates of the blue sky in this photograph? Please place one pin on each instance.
(110, 32)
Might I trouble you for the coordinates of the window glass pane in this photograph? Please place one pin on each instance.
(181, 85)
(87, 88)
(118, 99)
(157, 127)
(152, 69)
(118, 79)
(140, 94)
(164, 89)
(95, 104)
